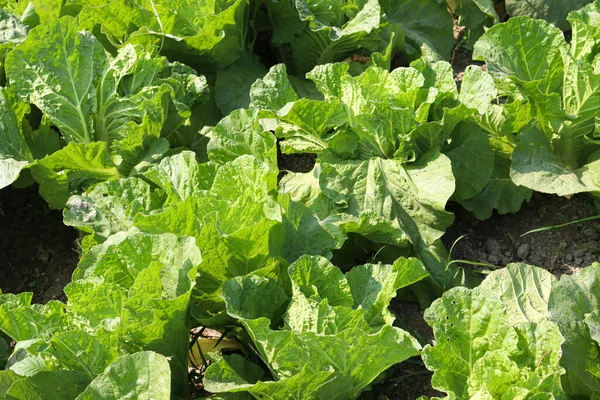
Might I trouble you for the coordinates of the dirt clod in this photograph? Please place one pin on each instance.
(523, 251)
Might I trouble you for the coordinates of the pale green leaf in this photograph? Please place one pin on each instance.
(524, 290)
(56, 69)
(535, 165)
(140, 375)
(573, 301)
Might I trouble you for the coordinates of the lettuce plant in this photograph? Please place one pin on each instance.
(205, 201)
(308, 33)
(124, 330)
(496, 341)
(552, 11)
(116, 114)
(521, 334)
(478, 15)
(205, 35)
(544, 128)
(336, 336)
(392, 148)
(573, 305)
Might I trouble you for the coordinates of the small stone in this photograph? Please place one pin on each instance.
(493, 259)
(505, 260)
(590, 233)
(493, 247)
(579, 253)
(578, 260)
(507, 253)
(481, 256)
(523, 251)
(569, 257)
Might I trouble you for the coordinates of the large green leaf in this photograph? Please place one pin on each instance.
(536, 166)
(306, 233)
(213, 33)
(56, 69)
(14, 150)
(430, 35)
(126, 197)
(37, 11)
(118, 18)
(181, 176)
(505, 48)
(409, 197)
(469, 152)
(238, 134)
(227, 376)
(140, 375)
(60, 385)
(553, 11)
(204, 35)
(245, 298)
(573, 305)
(72, 169)
(234, 82)
(584, 26)
(273, 91)
(524, 290)
(374, 286)
(330, 32)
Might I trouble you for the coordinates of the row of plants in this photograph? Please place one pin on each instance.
(158, 126)
(124, 334)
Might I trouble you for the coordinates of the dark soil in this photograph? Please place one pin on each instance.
(499, 240)
(37, 252)
(294, 162)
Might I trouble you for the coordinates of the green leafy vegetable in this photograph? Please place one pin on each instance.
(550, 101)
(335, 340)
(147, 370)
(573, 306)
(309, 33)
(489, 345)
(123, 108)
(205, 201)
(392, 149)
(128, 295)
(553, 11)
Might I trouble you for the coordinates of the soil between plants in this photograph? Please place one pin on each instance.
(37, 252)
